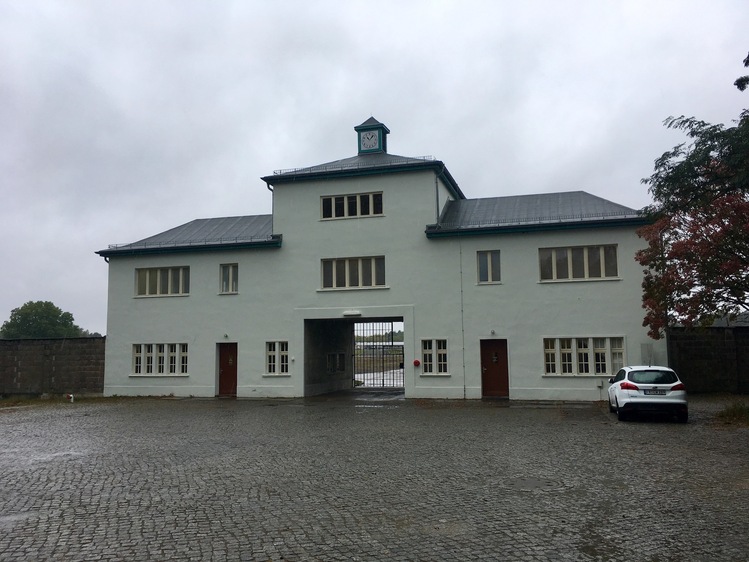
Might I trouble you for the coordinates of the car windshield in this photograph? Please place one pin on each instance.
(653, 377)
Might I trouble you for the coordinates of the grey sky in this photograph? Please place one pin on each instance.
(120, 119)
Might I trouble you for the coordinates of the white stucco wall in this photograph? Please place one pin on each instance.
(431, 285)
(524, 310)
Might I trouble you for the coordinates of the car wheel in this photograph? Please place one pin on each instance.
(611, 407)
(620, 414)
(682, 417)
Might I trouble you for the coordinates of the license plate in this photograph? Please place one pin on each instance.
(655, 392)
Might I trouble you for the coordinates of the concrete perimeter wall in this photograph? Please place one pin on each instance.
(711, 359)
(52, 366)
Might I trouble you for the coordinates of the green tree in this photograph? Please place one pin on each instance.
(697, 257)
(743, 81)
(40, 319)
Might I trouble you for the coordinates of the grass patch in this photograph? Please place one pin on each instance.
(14, 401)
(735, 414)
(46, 400)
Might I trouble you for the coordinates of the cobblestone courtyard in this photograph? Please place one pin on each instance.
(347, 478)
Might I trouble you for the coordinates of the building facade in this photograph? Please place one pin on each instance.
(525, 297)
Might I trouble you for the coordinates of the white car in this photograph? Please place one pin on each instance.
(648, 389)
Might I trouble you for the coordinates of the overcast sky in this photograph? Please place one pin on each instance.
(121, 119)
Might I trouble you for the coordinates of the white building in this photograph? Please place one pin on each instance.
(527, 297)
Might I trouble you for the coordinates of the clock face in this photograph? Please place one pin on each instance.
(369, 140)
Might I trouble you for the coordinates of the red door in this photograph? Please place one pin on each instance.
(227, 369)
(495, 379)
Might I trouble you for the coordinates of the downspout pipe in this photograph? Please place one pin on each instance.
(272, 205)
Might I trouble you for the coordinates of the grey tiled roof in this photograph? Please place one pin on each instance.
(525, 210)
(359, 162)
(203, 233)
(364, 164)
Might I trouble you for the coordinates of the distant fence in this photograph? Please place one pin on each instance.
(52, 366)
(711, 359)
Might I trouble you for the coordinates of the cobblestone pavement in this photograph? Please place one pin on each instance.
(344, 478)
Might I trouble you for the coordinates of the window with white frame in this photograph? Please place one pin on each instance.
(488, 266)
(160, 359)
(277, 357)
(229, 278)
(581, 262)
(353, 273)
(349, 206)
(434, 356)
(162, 281)
(583, 355)
(617, 353)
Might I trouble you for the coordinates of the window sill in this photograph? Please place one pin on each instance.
(159, 375)
(276, 375)
(587, 280)
(373, 216)
(160, 296)
(484, 283)
(435, 375)
(335, 289)
(225, 294)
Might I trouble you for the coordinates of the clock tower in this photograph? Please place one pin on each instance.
(372, 136)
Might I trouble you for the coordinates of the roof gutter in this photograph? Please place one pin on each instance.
(274, 241)
(436, 231)
(437, 165)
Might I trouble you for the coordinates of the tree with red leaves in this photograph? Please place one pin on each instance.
(697, 257)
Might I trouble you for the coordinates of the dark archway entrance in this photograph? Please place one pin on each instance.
(345, 353)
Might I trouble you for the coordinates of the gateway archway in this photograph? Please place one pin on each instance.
(346, 353)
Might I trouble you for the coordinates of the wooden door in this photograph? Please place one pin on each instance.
(495, 378)
(227, 369)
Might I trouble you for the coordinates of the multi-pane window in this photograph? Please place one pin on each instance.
(344, 273)
(434, 356)
(488, 266)
(277, 357)
(583, 262)
(617, 353)
(159, 358)
(148, 350)
(336, 362)
(172, 357)
(550, 356)
(158, 281)
(583, 355)
(565, 355)
(138, 359)
(599, 356)
(229, 276)
(347, 206)
(183, 358)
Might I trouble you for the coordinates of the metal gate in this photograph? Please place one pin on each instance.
(378, 355)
